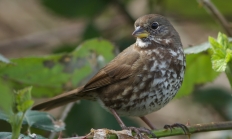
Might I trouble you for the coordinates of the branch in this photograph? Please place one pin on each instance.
(212, 9)
(62, 118)
(110, 134)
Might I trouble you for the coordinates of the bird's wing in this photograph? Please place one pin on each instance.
(118, 69)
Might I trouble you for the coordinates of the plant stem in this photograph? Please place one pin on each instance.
(16, 123)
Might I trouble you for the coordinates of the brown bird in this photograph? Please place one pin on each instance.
(141, 79)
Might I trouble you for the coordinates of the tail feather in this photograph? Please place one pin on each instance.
(59, 100)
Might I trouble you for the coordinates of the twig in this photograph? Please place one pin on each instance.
(212, 9)
(62, 118)
(217, 126)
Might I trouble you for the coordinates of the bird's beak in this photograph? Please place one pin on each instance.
(140, 32)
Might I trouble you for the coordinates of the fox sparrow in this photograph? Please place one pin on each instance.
(141, 79)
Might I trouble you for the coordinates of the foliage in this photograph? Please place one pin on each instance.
(222, 55)
(202, 64)
(17, 113)
(208, 59)
(41, 72)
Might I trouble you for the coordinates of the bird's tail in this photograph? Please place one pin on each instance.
(60, 100)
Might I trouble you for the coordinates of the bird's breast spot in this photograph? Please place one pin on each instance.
(149, 76)
(180, 57)
(163, 65)
(174, 75)
(163, 72)
(135, 90)
(148, 52)
(154, 66)
(143, 94)
(142, 85)
(173, 53)
(144, 79)
(126, 91)
(161, 41)
(145, 67)
(157, 81)
(165, 84)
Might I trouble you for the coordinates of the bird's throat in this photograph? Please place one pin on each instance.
(142, 44)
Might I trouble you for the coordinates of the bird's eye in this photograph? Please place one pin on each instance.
(154, 25)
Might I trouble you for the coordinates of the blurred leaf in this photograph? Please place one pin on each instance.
(89, 114)
(198, 71)
(124, 43)
(3, 59)
(23, 99)
(37, 119)
(8, 135)
(219, 99)
(6, 98)
(75, 8)
(65, 48)
(50, 75)
(43, 120)
(223, 40)
(197, 49)
(90, 32)
(4, 117)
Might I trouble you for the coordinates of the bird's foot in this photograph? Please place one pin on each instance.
(140, 130)
(182, 126)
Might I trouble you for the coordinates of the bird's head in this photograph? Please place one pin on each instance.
(154, 29)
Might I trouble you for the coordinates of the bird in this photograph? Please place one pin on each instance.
(140, 80)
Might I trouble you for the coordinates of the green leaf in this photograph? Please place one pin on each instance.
(228, 55)
(23, 99)
(223, 40)
(8, 135)
(53, 74)
(221, 52)
(6, 98)
(3, 59)
(37, 119)
(214, 43)
(219, 65)
(197, 49)
(198, 71)
(4, 116)
(43, 120)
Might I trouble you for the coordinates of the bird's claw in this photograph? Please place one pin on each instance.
(182, 126)
(141, 130)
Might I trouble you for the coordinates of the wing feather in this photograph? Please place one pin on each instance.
(118, 69)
